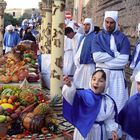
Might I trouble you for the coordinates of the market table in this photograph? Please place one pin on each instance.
(35, 84)
(16, 65)
(65, 130)
(64, 126)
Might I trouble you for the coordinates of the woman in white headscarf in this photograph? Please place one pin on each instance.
(111, 53)
(135, 63)
(83, 60)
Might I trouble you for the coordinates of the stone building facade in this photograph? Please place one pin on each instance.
(18, 12)
(129, 17)
(129, 14)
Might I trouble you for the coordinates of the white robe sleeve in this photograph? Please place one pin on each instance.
(110, 123)
(101, 57)
(69, 93)
(118, 63)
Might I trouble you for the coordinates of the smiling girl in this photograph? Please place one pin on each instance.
(91, 111)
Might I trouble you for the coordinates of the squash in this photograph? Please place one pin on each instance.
(32, 123)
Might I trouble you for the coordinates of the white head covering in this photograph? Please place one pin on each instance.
(139, 30)
(25, 21)
(10, 27)
(30, 25)
(113, 15)
(137, 77)
(72, 25)
(90, 86)
(89, 21)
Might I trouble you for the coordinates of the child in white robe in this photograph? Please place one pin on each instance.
(91, 111)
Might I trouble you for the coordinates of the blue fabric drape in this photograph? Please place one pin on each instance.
(84, 110)
(133, 54)
(129, 117)
(86, 55)
(102, 43)
(13, 41)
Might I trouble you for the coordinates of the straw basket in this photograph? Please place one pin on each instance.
(3, 129)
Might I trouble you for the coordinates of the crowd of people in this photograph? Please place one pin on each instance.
(95, 97)
(95, 93)
(14, 34)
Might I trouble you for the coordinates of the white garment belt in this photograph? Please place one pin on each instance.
(109, 69)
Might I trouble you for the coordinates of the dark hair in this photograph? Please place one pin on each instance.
(96, 29)
(68, 30)
(27, 30)
(103, 74)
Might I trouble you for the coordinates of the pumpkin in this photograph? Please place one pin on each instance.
(32, 123)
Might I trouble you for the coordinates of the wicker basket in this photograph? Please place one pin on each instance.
(3, 129)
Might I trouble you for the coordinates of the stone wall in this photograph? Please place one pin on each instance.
(129, 14)
(129, 17)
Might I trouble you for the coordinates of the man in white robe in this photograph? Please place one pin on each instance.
(111, 53)
(83, 60)
(10, 39)
(75, 38)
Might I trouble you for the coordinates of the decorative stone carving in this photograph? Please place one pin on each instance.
(57, 50)
(2, 8)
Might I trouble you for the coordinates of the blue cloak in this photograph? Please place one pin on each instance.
(14, 39)
(133, 54)
(84, 110)
(101, 43)
(86, 55)
(129, 116)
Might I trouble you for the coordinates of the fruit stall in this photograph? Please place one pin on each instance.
(26, 110)
(19, 64)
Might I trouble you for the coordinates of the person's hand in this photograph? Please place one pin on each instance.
(114, 135)
(67, 80)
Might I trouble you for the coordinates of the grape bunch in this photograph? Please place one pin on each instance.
(16, 128)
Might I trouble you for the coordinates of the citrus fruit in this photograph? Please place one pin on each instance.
(4, 100)
(10, 101)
